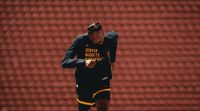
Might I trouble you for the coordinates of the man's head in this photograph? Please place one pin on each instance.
(96, 33)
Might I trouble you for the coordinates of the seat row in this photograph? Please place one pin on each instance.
(161, 59)
(7, 70)
(38, 90)
(31, 107)
(16, 71)
(166, 27)
(115, 102)
(40, 96)
(124, 43)
(112, 107)
(171, 77)
(184, 44)
(36, 41)
(114, 96)
(150, 96)
(121, 52)
(34, 52)
(40, 80)
(155, 65)
(159, 52)
(158, 102)
(146, 83)
(39, 102)
(156, 71)
(148, 39)
(34, 59)
(38, 84)
(135, 59)
(94, 3)
(128, 65)
(124, 36)
(99, 8)
(166, 107)
(41, 44)
(120, 74)
(104, 22)
(115, 89)
(173, 89)
(106, 15)
(169, 82)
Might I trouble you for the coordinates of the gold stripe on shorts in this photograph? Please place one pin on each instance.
(86, 103)
(100, 91)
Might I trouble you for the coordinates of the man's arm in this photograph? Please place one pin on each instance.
(68, 61)
(112, 52)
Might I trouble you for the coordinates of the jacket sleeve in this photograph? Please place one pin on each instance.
(112, 52)
(68, 61)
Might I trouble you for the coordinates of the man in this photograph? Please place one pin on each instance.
(93, 66)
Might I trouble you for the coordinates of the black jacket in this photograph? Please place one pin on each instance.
(84, 49)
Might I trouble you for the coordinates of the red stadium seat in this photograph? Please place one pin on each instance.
(11, 102)
(7, 2)
(49, 8)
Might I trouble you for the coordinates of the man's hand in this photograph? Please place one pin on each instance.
(90, 63)
(112, 65)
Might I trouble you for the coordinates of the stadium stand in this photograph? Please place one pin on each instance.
(158, 56)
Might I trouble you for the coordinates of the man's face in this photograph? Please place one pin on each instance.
(97, 37)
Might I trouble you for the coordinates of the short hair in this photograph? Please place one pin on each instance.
(94, 27)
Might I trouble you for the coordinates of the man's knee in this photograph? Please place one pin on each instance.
(102, 104)
(90, 109)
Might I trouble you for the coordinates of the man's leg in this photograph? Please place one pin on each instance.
(102, 104)
(84, 106)
(90, 109)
